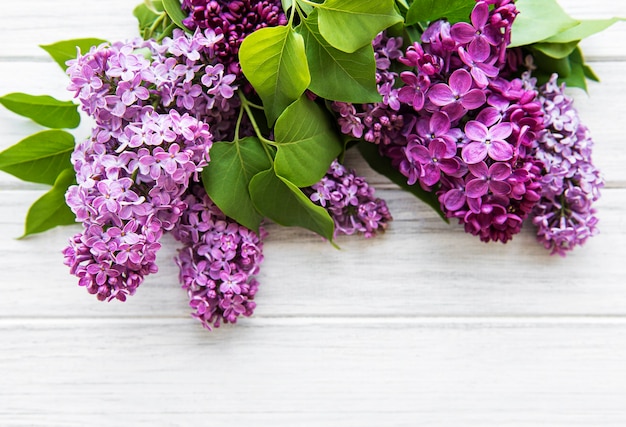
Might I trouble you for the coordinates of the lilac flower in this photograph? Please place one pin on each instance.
(413, 93)
(492, 178)
(480, 67)
(464, 129)
(478, 34)
(229, 23)
(565, 215)
(434, 159)
(218, 261)
(134, 170)
(458, 92)
(350, 202)
(487, 142)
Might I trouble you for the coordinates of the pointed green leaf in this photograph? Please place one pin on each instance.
(174, 10)
(306, 141)
(274, 61)
(146, 17)
(285, 204)
(556, 50)
(590, 74)
(576, 77)
(383, 166)
(547, 65)
(337, 75)
(431, 10)
(584, 29)
(50, 210)
(364, 19)
(39, 157)
(43, 109)
(539, 20)
(286, 4)
(65, 50)
(156, 6)
(227, 177)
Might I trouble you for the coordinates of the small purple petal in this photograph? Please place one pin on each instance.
(474, 152)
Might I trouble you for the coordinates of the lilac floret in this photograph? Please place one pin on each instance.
(350, 201)
(565, 215)
(218, 261)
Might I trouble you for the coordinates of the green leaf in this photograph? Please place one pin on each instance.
(274, 61)
(227, 177)
(43, 109)
(65, 50)
(337, 75)
(155, 6)
(576, 77)
(539, 20)
(285, 204)
(50, 209)
(40, 157)
(432, 10)
(584, 29)
(351, 24)
(286, 4)
(306, 141)
(383, 166)
(145, 18)
(590, 74)
(556, 50)
(547, 65)
(175, 12)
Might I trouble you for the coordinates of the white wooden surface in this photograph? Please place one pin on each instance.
(422, 326)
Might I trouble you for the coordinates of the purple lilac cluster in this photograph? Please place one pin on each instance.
(350, 201)
(218, 261)
(233, 21)
(450, 122)
(565, 215)
(151, 137)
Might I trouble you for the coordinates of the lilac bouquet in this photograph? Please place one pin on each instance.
(225, 115)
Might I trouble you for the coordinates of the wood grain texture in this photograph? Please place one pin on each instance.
(424, 325)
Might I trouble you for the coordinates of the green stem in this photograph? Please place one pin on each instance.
(310, 3)
(167, 31)
(266, 143)
(238, 125)
(155, 25)
(246, 106)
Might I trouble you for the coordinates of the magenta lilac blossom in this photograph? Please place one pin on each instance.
(456, 127)
(218, 261)
(350, 201)
(232, 21)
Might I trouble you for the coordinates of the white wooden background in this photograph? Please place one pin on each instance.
(424, 326)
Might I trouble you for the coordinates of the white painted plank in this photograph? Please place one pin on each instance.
(304, 372)
(420, 267)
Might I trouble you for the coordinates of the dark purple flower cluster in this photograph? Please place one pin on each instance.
(350, 201)
(450, 122)
(218, 261)
(565, 216)
(233, 20)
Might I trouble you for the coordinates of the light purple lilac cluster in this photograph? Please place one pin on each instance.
(233, 21)
(218, 261)
(350, 201)
(151, 136)
(144, 150)
(450, 122)
(565, 215)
